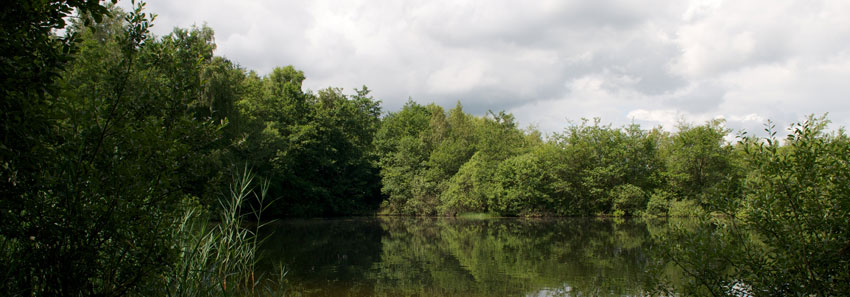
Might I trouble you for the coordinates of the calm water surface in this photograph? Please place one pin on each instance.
(391, 256)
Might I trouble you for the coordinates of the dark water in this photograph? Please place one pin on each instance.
(462, 257)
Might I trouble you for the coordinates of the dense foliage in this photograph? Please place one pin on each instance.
(789, 234)
(433, 162)
(127, 134)
(110, 136)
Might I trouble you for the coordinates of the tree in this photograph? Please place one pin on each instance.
(437, 162)
(96, 215)
(699, 162)
(339, 160)
(31, 59)
(403, 152)
(453, 140)
(274, 129)
(790, 237)
(471, 188)
(797, 201)
(593, 165)
(526, 185)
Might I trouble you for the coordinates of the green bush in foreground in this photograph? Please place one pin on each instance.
(792, 239)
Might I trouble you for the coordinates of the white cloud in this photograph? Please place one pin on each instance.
(665, 117)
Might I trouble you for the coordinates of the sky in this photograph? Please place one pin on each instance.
(552, 62)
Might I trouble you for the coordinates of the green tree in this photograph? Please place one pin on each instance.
(444, 162)
(339, 161)
(499, 137)
(593, 156)
(274, 129)
(318, 150)
(403, 153)
(525, 185)
(32, 57)
(471, 188)
(453, 140)
(96, 217)
(699, 162)
(797, 201)
(790, 237)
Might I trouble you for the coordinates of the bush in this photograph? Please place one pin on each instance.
(659, 204)
(628, 200)
(469, 189)
(797, 202)
(523, 186)
(685, 208)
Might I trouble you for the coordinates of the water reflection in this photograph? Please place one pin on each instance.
(456, 257)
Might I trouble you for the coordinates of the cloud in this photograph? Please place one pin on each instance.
(665, 117)
(549, 61)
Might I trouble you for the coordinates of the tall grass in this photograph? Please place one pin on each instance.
(219, 259)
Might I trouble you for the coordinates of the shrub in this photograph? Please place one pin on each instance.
(659, 204)
(628, 200)
(523, 185)
(685, 208)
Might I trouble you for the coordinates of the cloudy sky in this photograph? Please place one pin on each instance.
(553, 62)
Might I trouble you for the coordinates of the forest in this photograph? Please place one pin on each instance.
(118, 147)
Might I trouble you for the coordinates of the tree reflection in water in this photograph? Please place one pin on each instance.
(391, 256)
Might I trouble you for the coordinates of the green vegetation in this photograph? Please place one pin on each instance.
(221, 261)
(116, 146)
(788, 235)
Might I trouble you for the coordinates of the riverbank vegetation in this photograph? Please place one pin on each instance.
(113, 137)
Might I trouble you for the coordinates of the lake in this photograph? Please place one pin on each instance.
(402, 256)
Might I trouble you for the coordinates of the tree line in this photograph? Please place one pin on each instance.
(110, 134)
(447, 163)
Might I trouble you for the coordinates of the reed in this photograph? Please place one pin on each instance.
(220, 259)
